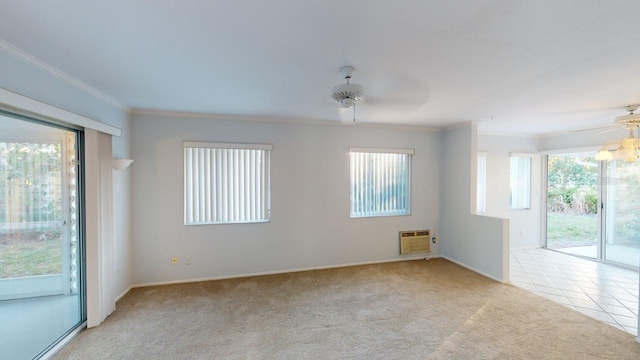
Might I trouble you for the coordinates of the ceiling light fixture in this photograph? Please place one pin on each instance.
(627, 149)
(348, 95)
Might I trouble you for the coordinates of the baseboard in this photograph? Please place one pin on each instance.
(124, 293)
(476, 270)
(223, 277)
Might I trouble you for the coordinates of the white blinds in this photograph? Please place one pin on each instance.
(380, 183)
(520, 182)
(481, 183)
(225, 183)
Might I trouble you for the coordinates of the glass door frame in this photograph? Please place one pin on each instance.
(80, 268)
(603, 178)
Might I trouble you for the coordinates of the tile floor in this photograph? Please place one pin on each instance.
(604, 292)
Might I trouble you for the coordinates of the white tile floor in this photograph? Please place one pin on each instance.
(604, 292)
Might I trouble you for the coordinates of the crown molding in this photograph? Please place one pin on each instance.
(58, 74)
(210, 116)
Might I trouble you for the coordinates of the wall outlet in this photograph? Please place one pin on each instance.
(174, 260)
(187, 260)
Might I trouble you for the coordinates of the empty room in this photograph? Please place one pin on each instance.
(319, 179)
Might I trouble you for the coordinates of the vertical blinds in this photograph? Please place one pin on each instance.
(380, 182)
(225, 183)
(481, 183)
(520, 182)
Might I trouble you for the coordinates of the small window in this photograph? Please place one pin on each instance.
(380, 183)
(520, 181)
(481, 183)
(226, 183)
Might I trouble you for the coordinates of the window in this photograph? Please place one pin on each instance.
(380, 182)
(226, 183)
(520, 181)
(481, 183)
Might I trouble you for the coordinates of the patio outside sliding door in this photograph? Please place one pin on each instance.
(41, 247)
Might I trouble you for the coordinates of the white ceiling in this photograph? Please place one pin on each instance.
(520, 67)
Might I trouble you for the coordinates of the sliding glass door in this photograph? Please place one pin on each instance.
(41, 292)
(572, 204)
(593, 208)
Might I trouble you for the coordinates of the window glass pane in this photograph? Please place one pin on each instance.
(481, 191)
(380, 184)
(520, 182)
(225, 185)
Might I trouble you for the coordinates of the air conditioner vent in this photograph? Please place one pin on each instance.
(414, 242)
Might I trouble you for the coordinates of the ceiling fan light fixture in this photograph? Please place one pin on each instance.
(347, 94)
(604, 155)
(627, 149)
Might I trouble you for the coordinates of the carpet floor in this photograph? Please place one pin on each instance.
(403, 310)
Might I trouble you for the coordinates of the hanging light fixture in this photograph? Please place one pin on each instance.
(348, 95)
(627, 149)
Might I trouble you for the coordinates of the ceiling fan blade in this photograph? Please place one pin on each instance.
(610, 129)
(593, 128)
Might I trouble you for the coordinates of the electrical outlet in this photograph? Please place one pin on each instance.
(187, 260)
(174, 260)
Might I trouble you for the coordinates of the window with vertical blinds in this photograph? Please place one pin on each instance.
(380, 182)
(481, 183)
(226, 183)
(520, 181)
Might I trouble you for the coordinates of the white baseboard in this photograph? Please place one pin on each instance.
(223, 277)
(476, 270)
(124, 293)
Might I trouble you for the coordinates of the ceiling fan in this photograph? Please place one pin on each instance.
(391, 93)
(631, 121)
(627, 149)
(348, 95)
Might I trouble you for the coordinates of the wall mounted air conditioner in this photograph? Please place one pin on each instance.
(415, 242)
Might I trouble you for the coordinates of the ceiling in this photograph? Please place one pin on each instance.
(516, 67)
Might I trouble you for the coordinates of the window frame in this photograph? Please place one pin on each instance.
(407, 211)
(265, 183)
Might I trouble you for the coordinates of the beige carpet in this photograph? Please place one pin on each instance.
(406, 310)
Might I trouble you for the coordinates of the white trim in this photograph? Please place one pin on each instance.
(125, 292)
(475, 270)
(276, 272)
(211, 145)
(21, 102)
(58, 74)
(223, 117)
(381, 150)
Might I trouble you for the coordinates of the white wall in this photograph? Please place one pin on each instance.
(480, 243)
(524, 224)
(24, 79)
(310, 225)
